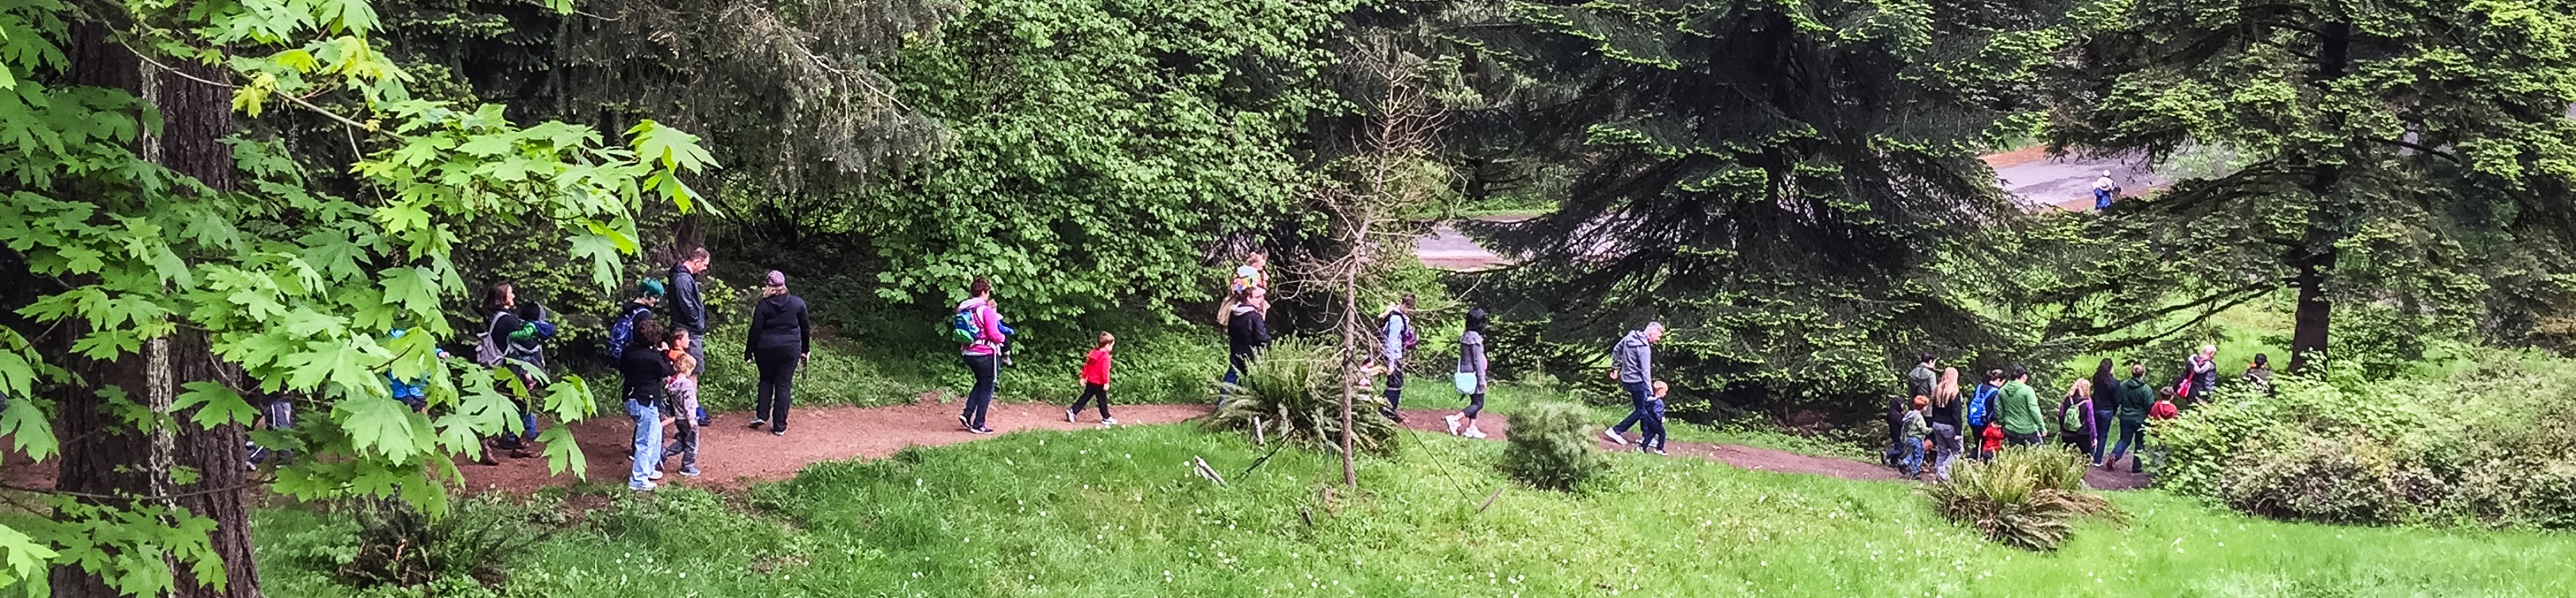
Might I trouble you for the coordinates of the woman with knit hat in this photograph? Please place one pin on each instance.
(780, 341)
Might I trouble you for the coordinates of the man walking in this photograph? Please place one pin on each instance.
(1632, 363)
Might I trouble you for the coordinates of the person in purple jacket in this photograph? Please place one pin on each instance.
(983, 355)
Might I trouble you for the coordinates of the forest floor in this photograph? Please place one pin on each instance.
(735, 456)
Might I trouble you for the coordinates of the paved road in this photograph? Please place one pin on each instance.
(2040, 182)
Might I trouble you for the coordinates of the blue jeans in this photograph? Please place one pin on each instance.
(1912, 450)
(2131, 433)
(1235, 365)
(648, 443)
(281, 416)
(1638, 394)
(2104, 429)
(1652, 427)
(980, 400)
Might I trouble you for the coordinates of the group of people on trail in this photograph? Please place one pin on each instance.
(2103, 416)
(663, 363)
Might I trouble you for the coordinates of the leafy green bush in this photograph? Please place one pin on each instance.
(2027, 497)
(1293, 394)
(2490, 444)
(1551, 446)
(468, 551)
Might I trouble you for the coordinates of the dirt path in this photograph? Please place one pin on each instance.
(1757, 458)
(734, 455)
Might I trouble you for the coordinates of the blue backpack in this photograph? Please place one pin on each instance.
(621, 331)
(963, 329)
(1977, 407)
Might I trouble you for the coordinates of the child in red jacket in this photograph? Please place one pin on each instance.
(1095, 381)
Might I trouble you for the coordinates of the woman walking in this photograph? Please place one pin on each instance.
(1471, 376)
(647, 368)
(780, 341)
(1945, 420)
(1247, 330)
(982, 354)
(2106, 406)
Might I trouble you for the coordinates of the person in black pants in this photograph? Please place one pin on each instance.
(780, 341)
(1247, 330)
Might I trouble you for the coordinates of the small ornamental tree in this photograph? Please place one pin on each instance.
(180, 266)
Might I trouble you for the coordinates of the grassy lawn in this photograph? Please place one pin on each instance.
(1119, 513)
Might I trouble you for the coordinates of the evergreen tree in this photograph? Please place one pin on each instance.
(2397, 153)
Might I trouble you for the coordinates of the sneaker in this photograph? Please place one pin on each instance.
(642, 486)
(1108, 421)
(1068, 416)
(962, 423)
(689, 471)
(778, 431)
(656, 475)
(756, 423)
(1614, 437)
(1660, 453)
(671, 452)
(706, 421)
(1453, 424)
(980, 431)
(2097, 464)
(1472, 432)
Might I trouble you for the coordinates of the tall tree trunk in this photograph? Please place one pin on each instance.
(2315, 258)
(105, 458)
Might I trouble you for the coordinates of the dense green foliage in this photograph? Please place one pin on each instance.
(1768, 179)
(1551, 447)
(2025, 497)
(1110, 512)
(2489, 445)
(2406, 164)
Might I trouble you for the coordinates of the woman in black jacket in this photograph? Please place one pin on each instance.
(646, 368)
(779, 342)
(1246, 332)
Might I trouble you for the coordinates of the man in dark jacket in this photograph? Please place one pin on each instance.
(688, 309)
(1918, 383)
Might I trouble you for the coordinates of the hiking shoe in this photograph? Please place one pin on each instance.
(689, 471)
(642, 486)
(1108, 421)
(1453, 424)
(1472, 432)
(756, 423)
(1068, 416)
(1614, 437)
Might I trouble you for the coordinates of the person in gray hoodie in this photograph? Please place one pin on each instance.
(1632, 363)
(1471, 362)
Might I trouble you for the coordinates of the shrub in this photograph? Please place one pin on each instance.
(467, 551)
(1293, 393)
(2027, 497)
(1551, 447)
(2489, 444)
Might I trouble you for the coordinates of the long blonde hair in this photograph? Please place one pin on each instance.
(2083, 388)
(1947, 391)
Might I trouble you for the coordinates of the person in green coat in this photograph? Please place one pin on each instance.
(2136, 397)
(2022, 419)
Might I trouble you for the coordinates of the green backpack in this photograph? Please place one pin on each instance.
(963, 329)
(2072, 417)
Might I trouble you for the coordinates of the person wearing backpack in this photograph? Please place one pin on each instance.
(1632, 365)
(621, 328)
(1247, 331)
(978, 326)
(2135, 399)
(1399, 338)
(2075, 427)
(780, 340)
(515, 343)
(1980, 412)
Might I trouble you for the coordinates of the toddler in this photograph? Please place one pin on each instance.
(1653, 425)
(681, 393)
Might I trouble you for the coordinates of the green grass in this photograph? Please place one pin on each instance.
(1119, 513)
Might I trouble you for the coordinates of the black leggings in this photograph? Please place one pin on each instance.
(1475, 404)
(777, 382)
(1091, 391)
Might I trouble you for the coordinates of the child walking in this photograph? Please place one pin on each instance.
(1095, 381)
(1653, 424)
(681, 391)
(1914, 430)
